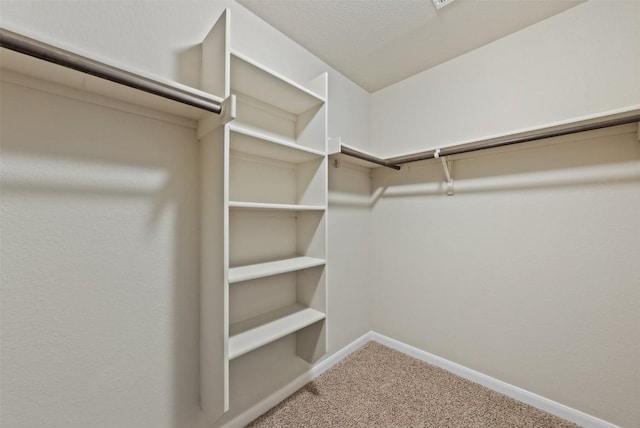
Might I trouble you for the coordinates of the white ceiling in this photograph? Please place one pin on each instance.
(379, 42)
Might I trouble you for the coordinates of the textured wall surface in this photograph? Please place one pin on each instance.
(99, 266)
(349, 255)
(528, 273)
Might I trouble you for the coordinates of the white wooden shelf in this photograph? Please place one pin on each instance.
(261, 270)
(254, 79)
(274, 207)
(251, 334)
(252, 141)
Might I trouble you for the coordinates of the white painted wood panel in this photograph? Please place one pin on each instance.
(247, 139)
(214, 75)
(213, 290)
(259, 270)
(274, 207)
(256, 332)
(214, 257)
(252, 78)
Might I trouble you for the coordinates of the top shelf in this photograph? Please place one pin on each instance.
(257, 81)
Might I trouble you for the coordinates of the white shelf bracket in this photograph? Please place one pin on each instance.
(212, 121)
(333, 145)
(447, 166)
(228, 109)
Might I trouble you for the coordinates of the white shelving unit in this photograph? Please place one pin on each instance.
(264, 200)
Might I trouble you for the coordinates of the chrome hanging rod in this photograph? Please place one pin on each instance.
(367, 157)
(394, 162)
(37, 49)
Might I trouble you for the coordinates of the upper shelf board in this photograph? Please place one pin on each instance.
(247, 140)
(257, 81)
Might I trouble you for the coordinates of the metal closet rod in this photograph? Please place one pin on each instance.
(37, 49)
(367, 157)
(395, 162)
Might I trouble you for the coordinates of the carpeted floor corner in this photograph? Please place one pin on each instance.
(377, 386)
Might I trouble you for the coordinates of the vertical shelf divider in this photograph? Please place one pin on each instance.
(214, 167)
(311, 342)
(264, 191)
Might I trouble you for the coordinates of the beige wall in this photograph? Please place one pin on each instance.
(349, 255)
(529, 273)
(99, 265)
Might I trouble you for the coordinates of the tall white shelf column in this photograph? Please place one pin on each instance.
(264, 220)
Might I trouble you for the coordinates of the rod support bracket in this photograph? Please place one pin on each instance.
(228, 109)
(447, 166)
(210, 122)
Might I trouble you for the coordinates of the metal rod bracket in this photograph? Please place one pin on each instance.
(447, 166)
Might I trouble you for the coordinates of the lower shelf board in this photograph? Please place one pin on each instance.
(251, 334)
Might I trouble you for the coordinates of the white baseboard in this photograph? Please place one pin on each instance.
(279, 395)
(509, 390)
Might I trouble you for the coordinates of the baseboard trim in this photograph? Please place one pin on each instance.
(507, 389)
(279, 395)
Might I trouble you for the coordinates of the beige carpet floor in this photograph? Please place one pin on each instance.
(379, 387)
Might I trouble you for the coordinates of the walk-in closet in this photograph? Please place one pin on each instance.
(313, 213)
